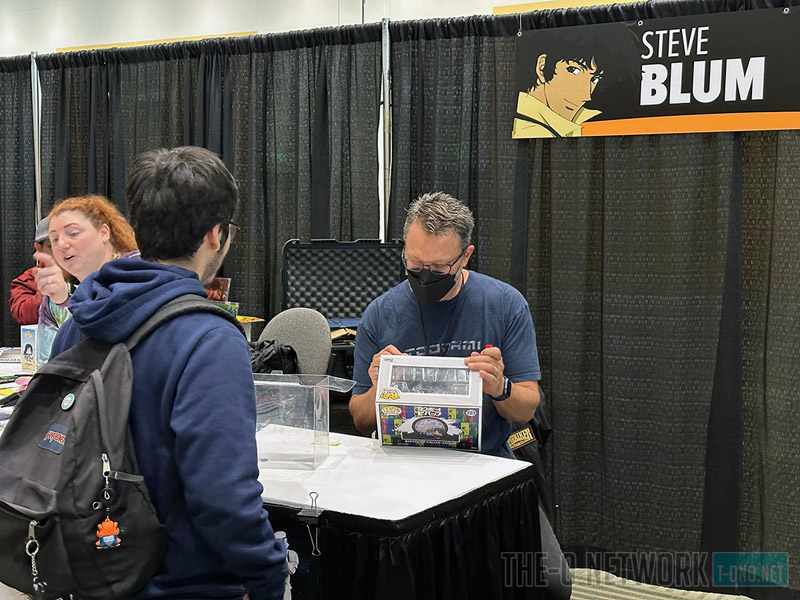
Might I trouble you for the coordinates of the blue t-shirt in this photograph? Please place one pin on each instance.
(485, 311)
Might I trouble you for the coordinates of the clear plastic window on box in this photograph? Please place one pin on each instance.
(293, 419)
(430, 401)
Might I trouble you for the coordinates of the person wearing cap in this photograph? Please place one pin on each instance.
(25, 297)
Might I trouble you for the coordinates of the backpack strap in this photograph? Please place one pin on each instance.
(187, 303)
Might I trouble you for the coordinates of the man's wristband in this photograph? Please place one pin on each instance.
(506, 391)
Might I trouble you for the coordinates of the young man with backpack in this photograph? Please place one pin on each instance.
(192, 408)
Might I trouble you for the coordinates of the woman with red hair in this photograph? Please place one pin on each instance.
(85, 233)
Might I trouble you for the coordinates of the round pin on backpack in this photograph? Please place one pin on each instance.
(68, 401)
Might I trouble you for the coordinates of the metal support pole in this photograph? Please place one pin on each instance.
(387, 131)
(36, 102)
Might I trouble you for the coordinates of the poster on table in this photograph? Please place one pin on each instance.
(429, 401)
(700, 73)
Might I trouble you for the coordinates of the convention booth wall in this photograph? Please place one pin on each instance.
(294, 116)
(662, 271)
(17, 181)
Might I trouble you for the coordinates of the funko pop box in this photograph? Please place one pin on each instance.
(430, 401)
(29, 348)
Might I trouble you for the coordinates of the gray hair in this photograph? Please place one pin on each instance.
(438, 213)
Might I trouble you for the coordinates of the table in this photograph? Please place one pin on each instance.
(411, 523)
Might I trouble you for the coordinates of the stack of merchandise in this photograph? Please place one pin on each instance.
(218, 293)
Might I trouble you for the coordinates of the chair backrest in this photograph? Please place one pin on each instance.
(307, 331)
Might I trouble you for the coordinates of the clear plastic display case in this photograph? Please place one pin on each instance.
(293, 420)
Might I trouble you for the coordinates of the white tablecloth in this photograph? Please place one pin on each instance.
(362, 478)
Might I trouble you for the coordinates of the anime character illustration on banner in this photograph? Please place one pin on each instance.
(687, 74)
(561, 70)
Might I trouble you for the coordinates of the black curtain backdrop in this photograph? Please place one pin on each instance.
(770, 517)
(290, 114)
(651, 267)
(17, 182)
(78, 141)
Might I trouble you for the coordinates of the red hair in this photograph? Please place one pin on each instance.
(99, 210)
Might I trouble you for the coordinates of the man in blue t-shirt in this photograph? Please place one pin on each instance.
(445, 310)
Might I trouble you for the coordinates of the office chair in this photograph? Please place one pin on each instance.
(307, 331)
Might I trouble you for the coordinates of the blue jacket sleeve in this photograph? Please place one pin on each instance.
(213, 418)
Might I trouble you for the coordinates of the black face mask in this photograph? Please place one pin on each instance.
(429, 287)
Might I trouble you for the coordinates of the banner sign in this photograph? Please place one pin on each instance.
(718, 72)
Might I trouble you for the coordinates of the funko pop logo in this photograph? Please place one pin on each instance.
(28, 335)
(389, 394)
(391, 411)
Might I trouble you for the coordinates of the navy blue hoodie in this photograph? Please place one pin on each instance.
(193, 424)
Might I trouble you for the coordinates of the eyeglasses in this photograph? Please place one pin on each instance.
(233, 229)
(435, 268)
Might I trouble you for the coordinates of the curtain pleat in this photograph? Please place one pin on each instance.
(771, 341)
(17, 182)
(251, 100)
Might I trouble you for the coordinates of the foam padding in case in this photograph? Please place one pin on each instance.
(339, 279)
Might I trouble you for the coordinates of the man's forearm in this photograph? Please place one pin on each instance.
(521, 404)
(362, 409)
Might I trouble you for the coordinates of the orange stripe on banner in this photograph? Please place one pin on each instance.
(763, 121)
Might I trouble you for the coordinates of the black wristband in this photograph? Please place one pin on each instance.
(506, 391)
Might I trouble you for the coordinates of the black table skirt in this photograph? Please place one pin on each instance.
(458, 550)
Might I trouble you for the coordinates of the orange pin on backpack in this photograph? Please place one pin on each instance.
(108, 532)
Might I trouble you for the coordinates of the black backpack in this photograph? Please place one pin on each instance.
(267, 356)
(75, 515)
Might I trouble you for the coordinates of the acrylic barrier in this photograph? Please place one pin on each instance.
(293, 419)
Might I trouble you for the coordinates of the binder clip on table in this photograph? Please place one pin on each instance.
(310, 516)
